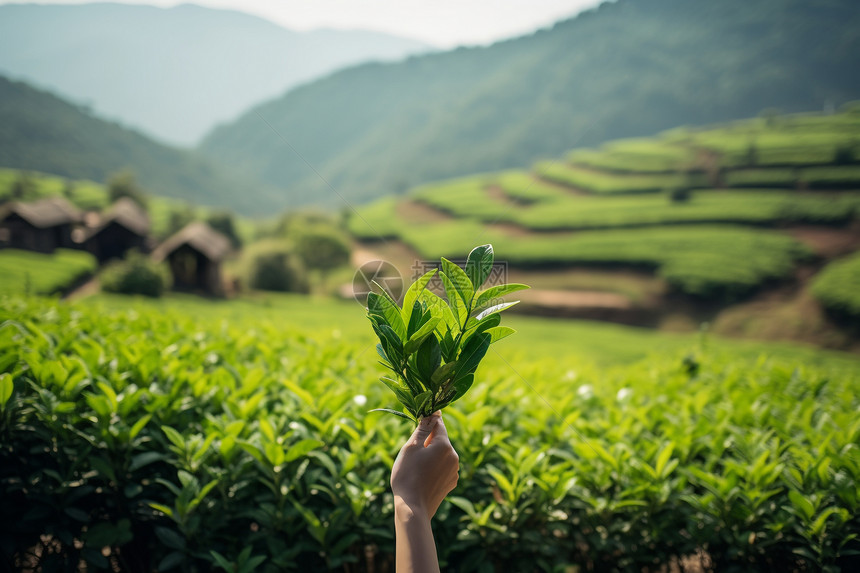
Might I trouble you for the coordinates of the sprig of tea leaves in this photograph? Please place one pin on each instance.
(433, 345)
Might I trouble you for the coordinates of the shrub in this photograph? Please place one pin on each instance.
(137, 274)
(321, 247)
(272, 265)
(838, 287)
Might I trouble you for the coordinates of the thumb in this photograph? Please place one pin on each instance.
(425, 427)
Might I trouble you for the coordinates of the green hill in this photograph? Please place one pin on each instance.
(41, 132)
(626, 69)
(168, 71)
(672, 208)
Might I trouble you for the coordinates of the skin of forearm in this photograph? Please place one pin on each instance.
(415, 547)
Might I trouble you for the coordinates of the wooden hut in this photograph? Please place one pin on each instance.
(42, 226)
(194, 256)
(125, 226)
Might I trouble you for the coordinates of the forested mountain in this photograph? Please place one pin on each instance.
(41, 132)
(173, 73)
(626, 68)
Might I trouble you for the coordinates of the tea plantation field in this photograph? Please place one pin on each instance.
(186, 434)
(652, 203)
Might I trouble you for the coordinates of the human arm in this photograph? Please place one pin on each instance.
(424, 472)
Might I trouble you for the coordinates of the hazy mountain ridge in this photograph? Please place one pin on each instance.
(629, 68)
(41, 132)
(175, 72)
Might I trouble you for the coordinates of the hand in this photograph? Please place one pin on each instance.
(426, 469)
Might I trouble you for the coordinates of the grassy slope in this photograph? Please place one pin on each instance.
(25, 272)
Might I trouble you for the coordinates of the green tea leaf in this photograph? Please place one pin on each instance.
(499, 332)
(438, 307)
(479, 264)
(443, 373)
(459, 281)
(302, 448)
(489, 297)
(455, 301)
(423, 333)
(383, 307)
(6, 388)
(413, 292)
(429, 357)
(495, 309)
(395, 412)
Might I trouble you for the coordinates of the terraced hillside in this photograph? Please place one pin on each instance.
(715, 216)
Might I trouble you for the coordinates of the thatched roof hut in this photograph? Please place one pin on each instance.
(194, 256)
(42, 225)
(125, 226)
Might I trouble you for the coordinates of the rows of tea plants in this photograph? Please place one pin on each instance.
(134, 441)
(472, 198)
(26, 272)
(838, 286)
(701, 260)
(604, 182)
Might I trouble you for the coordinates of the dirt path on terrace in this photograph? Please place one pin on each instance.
(495, 193)
(828, 242)
(575, 299)
(415, 212)
(579, 191)
(89, 288)
(404, 258)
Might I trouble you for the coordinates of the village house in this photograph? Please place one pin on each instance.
(125, 226)
(194, 256)
(42, 226)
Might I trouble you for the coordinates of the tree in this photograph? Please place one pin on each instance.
(271, 265)
(224, 223)
(124, 184)
(179, 218)
(68, 190)
(321, 248)
(23, 187)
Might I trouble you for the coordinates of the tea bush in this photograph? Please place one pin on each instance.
(137, 440)
(837, 286)
(273, 265)
(135, 275)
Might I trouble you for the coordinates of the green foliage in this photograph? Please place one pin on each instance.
(137, 274)
(837, 286)
(224, 222)
(433, 346)
(26, 272)
(124, 184)
(241, 443)
(273, 265)
(321, 247)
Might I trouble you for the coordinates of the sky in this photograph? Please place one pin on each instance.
(442, 23)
